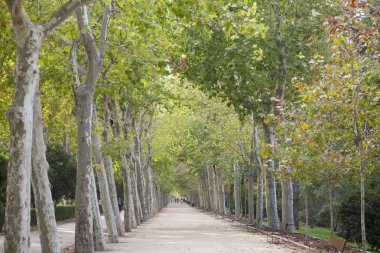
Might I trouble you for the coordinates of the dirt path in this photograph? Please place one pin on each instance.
(180, 229)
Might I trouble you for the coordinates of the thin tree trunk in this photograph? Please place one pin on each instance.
(259, 199)
(331, 207)
(270, 182)
(251, 201)
(306, 209)
(237, 191)
(41, 187)
(255, 159)
(99, 240)
(362, 209)
(103, 183)
(129, 212)
(108, 166)
(139, 172)
(215, 189)
(129, 205)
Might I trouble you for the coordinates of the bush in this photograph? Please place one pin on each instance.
(62, 172)
(61, 213)
(349, 216)
(2, 219)
(64, 212)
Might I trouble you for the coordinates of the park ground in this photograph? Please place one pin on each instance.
(180, 228)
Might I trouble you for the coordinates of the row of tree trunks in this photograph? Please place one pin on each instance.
(103, 182)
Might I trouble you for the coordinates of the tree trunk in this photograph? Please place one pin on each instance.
(259, 199)
(215, 189)
(108, 165)
(251, 201)
(211, 188)
(255, 159)
(135, 196)
(362, 208)
(112, 191)
(306, 209)
(84, 94)
(331, 207)
(41, 187)
(103, 183)
(270, 182)
(296, 201)
(139, 172)
(129, 212)
(99, 240)
(287, 204)
(221, 197)
(130, 215)
(237, 191)
(20, 117)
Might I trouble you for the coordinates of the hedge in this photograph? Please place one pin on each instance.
(61, 213)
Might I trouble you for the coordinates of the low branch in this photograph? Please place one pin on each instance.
(61, 14)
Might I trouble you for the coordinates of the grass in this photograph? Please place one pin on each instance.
(318, 232)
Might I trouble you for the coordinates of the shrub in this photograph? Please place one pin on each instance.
(349, 216)
(2, 219)
(61, 213)
(64, 212)
(62, 172)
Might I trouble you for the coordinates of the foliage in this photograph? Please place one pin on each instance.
(64, 212)
(349, 214)
(62, 172)
(61, 213)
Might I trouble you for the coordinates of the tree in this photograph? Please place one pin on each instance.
(28, 36)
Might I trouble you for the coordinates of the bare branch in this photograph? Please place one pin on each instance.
(103, 33)
(61, 14)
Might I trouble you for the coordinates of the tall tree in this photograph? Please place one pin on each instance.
(28, 36)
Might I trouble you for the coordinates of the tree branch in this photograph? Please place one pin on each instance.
(103, 33)
(61, 14)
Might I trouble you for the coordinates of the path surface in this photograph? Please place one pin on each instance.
(182, 229)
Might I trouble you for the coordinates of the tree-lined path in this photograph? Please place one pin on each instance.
(180, 228)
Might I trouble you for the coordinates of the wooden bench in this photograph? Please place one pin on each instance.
(337, 243)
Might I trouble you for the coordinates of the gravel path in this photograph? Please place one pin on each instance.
(180, 228)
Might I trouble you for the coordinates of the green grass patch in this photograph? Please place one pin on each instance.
(318, 232)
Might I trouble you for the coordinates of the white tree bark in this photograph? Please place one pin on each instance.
(99, 240)
(237, 191)
(210, 183)
(103, 183)
(138, 168)
(259, 199)
(220, 185)
(108, 165)
(20, 116)
(41, 187)
(287, 204)
(83, 94)
(251, 200)
(129, 205)
(270, 182)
